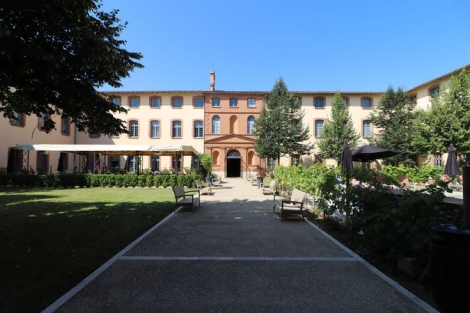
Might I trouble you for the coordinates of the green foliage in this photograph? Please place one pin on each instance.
(142, 180)
(393, 117)
(206, 162)
(447, 120)
(97, 180)
(150, 181)
(311, 180)
(158, 181)
(278, 129)
(336, 129)
(413, 173)
(54, 54)
(395, 227)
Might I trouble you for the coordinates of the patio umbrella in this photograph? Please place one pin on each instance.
(368, 153)
(452, 167)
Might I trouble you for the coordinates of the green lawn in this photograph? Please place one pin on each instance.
(51, 239)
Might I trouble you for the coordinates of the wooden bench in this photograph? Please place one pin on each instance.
(186, 198)
(216, 182)
(293, 205)
(203, 188)
(271, 190)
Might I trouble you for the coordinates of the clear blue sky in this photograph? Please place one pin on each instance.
(330, 45)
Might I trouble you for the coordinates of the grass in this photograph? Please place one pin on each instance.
(51, 239)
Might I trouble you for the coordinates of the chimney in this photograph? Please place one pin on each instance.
(212, 80)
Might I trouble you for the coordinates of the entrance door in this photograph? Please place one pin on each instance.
(233, 167)
(234, 161)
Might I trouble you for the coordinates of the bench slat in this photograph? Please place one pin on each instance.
(186, 197)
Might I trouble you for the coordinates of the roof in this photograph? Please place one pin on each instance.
(112, 149)
(437, 79)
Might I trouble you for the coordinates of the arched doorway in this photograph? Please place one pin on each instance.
(234, 163)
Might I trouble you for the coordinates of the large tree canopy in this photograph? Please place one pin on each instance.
(447, 120)
(337, 128)
(279, 130)
(55, 54)
(394, 118)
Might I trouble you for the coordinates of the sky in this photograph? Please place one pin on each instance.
(330, 45)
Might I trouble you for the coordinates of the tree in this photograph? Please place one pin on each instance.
(336, 129)
(447, 120)
(393, 117)
(279, 131)
(207, 163)
(55, 54)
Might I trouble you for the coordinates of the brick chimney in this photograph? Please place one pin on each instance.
(212, 80)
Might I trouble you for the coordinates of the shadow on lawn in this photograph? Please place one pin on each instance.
(51, 247)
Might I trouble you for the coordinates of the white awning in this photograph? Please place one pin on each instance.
(112, 149)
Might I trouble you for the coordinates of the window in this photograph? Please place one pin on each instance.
(176, 162)
(64, 126)
(113, 162)
(155, 129)
(176, 129)
(271, 164)
(177, 102)
(133, 129)
(434, 91)
(233, 102)
(131, 164)
(437, 159)
(155, 102)
(117, 101)
(43, 120)
(366, 129)
(42, 162)
(134, 102)
(94, 135)
(318, 128)
(215, 102)
(63, 165)
(196, 162)
(216, 125)
(17, 119)
(251, 102)
(155, 163)
(412, 99)
(319, 103)
(198, 129)
(199, 102)
(345, 101)
(366, 103)
(15, 160)
(295, 159)
(299, 99)
(251, 125)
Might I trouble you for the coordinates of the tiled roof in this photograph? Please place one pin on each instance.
(445, 76)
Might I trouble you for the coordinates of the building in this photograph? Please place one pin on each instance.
(180, 124)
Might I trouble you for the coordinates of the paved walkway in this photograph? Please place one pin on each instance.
(234, 255)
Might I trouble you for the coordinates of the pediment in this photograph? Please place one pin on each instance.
(231, 139)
